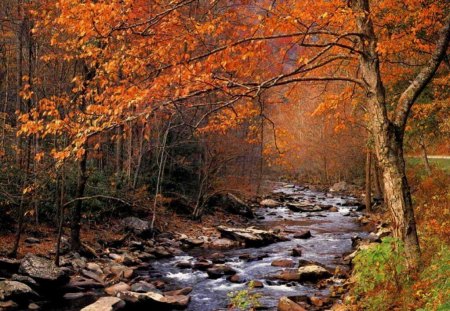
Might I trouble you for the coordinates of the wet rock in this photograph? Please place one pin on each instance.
(155, 300)
(162, 252)
(303, 207)
(303, 235)
(288, 275)
(235, 278)
(312, 273)
(42, 270)
(296, 252)
(202, 265)
(159, 284)
(317, 301)
(286, 304)
(269, 203)
(106, 304)
(13, 290)
(256, 284)
(137, 226)
(184, 264)
(285, 263)
(249, 236)
(142, 287)
(191, 242)
(218, 258)
(217, 271)
(116, 288)
(178, 292)
(333, 209)
(121, 271)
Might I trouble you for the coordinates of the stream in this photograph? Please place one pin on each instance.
(331, 239)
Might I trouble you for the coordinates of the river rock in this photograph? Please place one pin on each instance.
(92, 266)
(116, 288)
(13, 290)
(231, 203)
(184, 264)
(303, 235)
(217, 271)
(235, 278)
(249, 236)
(42, 270)
(178, 292)
(142, 287)
(296, 252)
(25, 279)
(333, 209)
(218, 258)
(155, 300)
(286, 304)
(256, 284)
(137, 226)
(313, 273)
(223, 243)
(303, 207)
(269, 203)
(106, 304)
(8, 305)
(202, 265)
(285, 263)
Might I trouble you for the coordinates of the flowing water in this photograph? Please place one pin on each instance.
(331, 239)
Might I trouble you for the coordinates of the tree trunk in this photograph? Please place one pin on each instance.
(368, 181)
(377, 179)
(75, 226)
(388, 138)
(425, 156)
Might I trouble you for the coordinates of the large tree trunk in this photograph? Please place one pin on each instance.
(368, 180)
(388, 138)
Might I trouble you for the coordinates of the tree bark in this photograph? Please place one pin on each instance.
(388, 138)
(75, 226)
(368, 180)
(425, 156)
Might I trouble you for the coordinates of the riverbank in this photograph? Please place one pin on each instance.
(298, 250)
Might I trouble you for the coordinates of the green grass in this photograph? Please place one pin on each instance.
(443, 164)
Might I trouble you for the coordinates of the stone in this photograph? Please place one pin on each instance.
(33, 306)
(217, 258)
(286, 304)
(235, 278)
(184, 264)
(24, 279)
(80, 283)
(92, 275)
(333, 209)
(8, 305)
(303, 235)
(42, 270)
(75, 296)
(303, 207)
(116, 288)
(313, 273)
(193, 242)
(178, 292)
(296, 252)
(249, 236)
(106, 304)
(285, 263)
(155, 300)
(137, 226)
(13, 290)
(256, 284)
(288, 275)
(231, 203)
(269, 203)
(317, 301)
(142, 287)
(94, 267)
(202, 265)
(217, 271)
(223, 243)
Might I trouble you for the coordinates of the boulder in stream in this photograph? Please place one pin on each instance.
(154, 300)
(17, 291)
(303, 207)
(313, 273)
(106, 304)
(137, 226)
(285, 263)
(43, 270)
(249, 236)
(286, 304)
(269, 203)
(303, 235)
